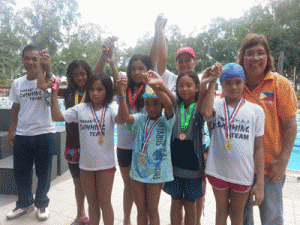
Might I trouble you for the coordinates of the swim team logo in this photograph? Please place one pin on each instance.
(267, 97)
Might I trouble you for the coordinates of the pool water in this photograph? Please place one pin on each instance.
(294, 163)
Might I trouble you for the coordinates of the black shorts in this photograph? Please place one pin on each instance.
(124, 157)
(74, 170)
(185, 188)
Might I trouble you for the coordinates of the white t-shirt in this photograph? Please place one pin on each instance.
(125, 137)
(92, 155)
(170, 79)
(237, 164)
(34, 116)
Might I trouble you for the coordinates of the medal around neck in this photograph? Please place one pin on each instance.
(142, 158)
(99, 124)
(184, 123)
(146, 138)
(228, 120)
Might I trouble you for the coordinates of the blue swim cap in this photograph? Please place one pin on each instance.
(232, 70)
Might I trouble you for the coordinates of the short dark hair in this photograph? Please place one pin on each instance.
(146, 60)
(72, 86)
(250, 41)
(108, 85)
(191, 74)
(30, 48)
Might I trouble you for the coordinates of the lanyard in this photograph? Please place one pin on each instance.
(99, 124)
(185, 123)
(147, 135)
(82, 99)
(228, 120)
(132, 102)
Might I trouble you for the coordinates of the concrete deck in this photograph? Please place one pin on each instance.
(63, 207)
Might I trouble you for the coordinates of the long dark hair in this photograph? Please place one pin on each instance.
(72, 86)
(108, 85)
(194, 76)
(146, 60)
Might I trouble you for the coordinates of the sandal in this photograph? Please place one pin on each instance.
(84, 221)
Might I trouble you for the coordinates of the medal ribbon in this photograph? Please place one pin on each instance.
(147, 136)
(98, 124)
(185, 123)
(132, 102)
(82, 99)
(228, 120)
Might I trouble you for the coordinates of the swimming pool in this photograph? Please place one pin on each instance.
(294, 163)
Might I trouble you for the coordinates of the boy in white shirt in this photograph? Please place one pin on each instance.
(31, 133)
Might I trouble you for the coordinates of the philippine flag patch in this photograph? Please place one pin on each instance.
(267, 96)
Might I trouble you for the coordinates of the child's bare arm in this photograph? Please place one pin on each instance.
(55, 110)
(258, 188)
(161, 90)
(107, 46)
(111, 61)
(207, 95)
(159, 51)
(123, 115)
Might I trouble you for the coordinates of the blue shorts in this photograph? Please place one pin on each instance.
(184, 188)
(124, 157)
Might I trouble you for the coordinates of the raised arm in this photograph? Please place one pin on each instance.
(207, 95)
(55, 110)
(161, 90)
(44, 82)
(159, 51)
(106, 47)
(123, 115)
(111, 61)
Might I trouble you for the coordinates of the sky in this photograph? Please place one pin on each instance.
(132, 19)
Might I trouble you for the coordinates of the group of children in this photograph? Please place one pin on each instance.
(160, 143)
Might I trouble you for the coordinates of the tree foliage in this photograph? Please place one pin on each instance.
(55, 24)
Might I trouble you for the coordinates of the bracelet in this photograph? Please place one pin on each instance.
(124, 96)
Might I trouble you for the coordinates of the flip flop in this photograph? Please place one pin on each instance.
(84, 221)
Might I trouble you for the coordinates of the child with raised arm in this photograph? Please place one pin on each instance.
(187, 148)
(96, 120)
(236, 148)
(151, 159)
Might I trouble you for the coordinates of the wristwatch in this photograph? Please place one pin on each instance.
(49, 75)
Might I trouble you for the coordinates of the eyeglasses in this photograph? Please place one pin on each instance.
(255, 54)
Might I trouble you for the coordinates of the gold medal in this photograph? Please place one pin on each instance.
(142, 159)
(228, 146)
(100, 141)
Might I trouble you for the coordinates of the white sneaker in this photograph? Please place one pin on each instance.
(42, 214)
(19, 212)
